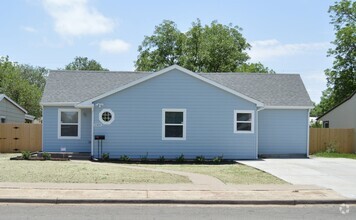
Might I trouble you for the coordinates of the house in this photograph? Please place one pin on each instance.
(175, 111)
(342, 115)
(11, 112)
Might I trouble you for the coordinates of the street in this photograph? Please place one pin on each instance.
(127, 211)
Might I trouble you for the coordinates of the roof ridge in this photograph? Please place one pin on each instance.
(95, 71)
(242, 73)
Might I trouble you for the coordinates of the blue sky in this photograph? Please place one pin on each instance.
(287, 36)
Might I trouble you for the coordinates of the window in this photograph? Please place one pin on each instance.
(243, 121)
(173, 124)
(69, 123)
(2, 119)
(106, 116)
(325, 124)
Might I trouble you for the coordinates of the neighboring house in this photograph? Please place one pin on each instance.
(342, 115)
(11, 112)
(175, 111)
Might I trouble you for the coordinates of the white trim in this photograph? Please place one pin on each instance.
(164, 110)
(92, 131)
(252, 122)
(43, 117)
(29, 117)
(12, 102)
(308, 130)
(288, 107)
(60, 123)
(64, 104)
(195, 75)
(1, 116)
(112, 116)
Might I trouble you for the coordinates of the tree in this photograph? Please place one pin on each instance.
(34, 75)
(254, 68)
(83, 63)
(341, 78)
(210, 48)
(164, 48)
(19, 89)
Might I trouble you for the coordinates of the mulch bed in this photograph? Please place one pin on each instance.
(138, 161)
(39, 159)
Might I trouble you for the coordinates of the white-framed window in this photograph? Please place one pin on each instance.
(244, 121)
(2, 119)
(69, 123)
(106, 116)
(174, 124)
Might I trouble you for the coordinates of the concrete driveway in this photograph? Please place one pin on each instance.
(334, 173)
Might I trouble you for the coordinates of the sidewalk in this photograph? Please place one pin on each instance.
(168, 193)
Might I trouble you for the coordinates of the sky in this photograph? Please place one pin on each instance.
(287, 36)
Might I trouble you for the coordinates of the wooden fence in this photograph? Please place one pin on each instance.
(20, 137)
(319, 138)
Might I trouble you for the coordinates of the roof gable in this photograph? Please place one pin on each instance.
(163, 71)
(3, 96)
(336, 106)
(69, 88)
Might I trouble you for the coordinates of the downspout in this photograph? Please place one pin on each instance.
(259, 109)
(92, 132)
(308, 133)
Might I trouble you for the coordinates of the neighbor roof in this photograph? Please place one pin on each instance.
(342, 102)
(3, 96)
(279, 90)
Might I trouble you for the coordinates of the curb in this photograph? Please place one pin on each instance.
(177, 201)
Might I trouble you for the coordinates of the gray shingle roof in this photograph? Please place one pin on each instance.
(271, 89)
(78, 86)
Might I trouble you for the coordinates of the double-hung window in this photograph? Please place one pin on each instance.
(69, 123)
(173, 124)
(243, 121)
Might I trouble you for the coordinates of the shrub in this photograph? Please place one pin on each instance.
(144, 159)
(161, 159)
(26, 155)
(105, 156)
(218, 160)
(124, 158)
(46, 156)
(200, 159)
(331, 147)
(180, 159)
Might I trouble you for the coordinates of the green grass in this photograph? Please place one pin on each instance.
(335, 155)
(74, 172)
(233, 174)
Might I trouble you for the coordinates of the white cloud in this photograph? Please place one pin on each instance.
(77, 18)
(29, 29)
(269, 49)
(114, 46)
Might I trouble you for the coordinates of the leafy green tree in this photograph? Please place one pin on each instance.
(341, 78)
(83, 63)
(210, 48)
(34, 75)
(164, 48)
(254, 68)
(19, 89)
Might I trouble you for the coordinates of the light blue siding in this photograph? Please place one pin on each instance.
(282, 131)
(137, 128)
(51, 143)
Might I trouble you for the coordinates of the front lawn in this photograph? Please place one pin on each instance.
(232, 173)
(335, 155)
(72, 172)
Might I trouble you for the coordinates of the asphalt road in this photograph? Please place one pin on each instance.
(122, 211)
